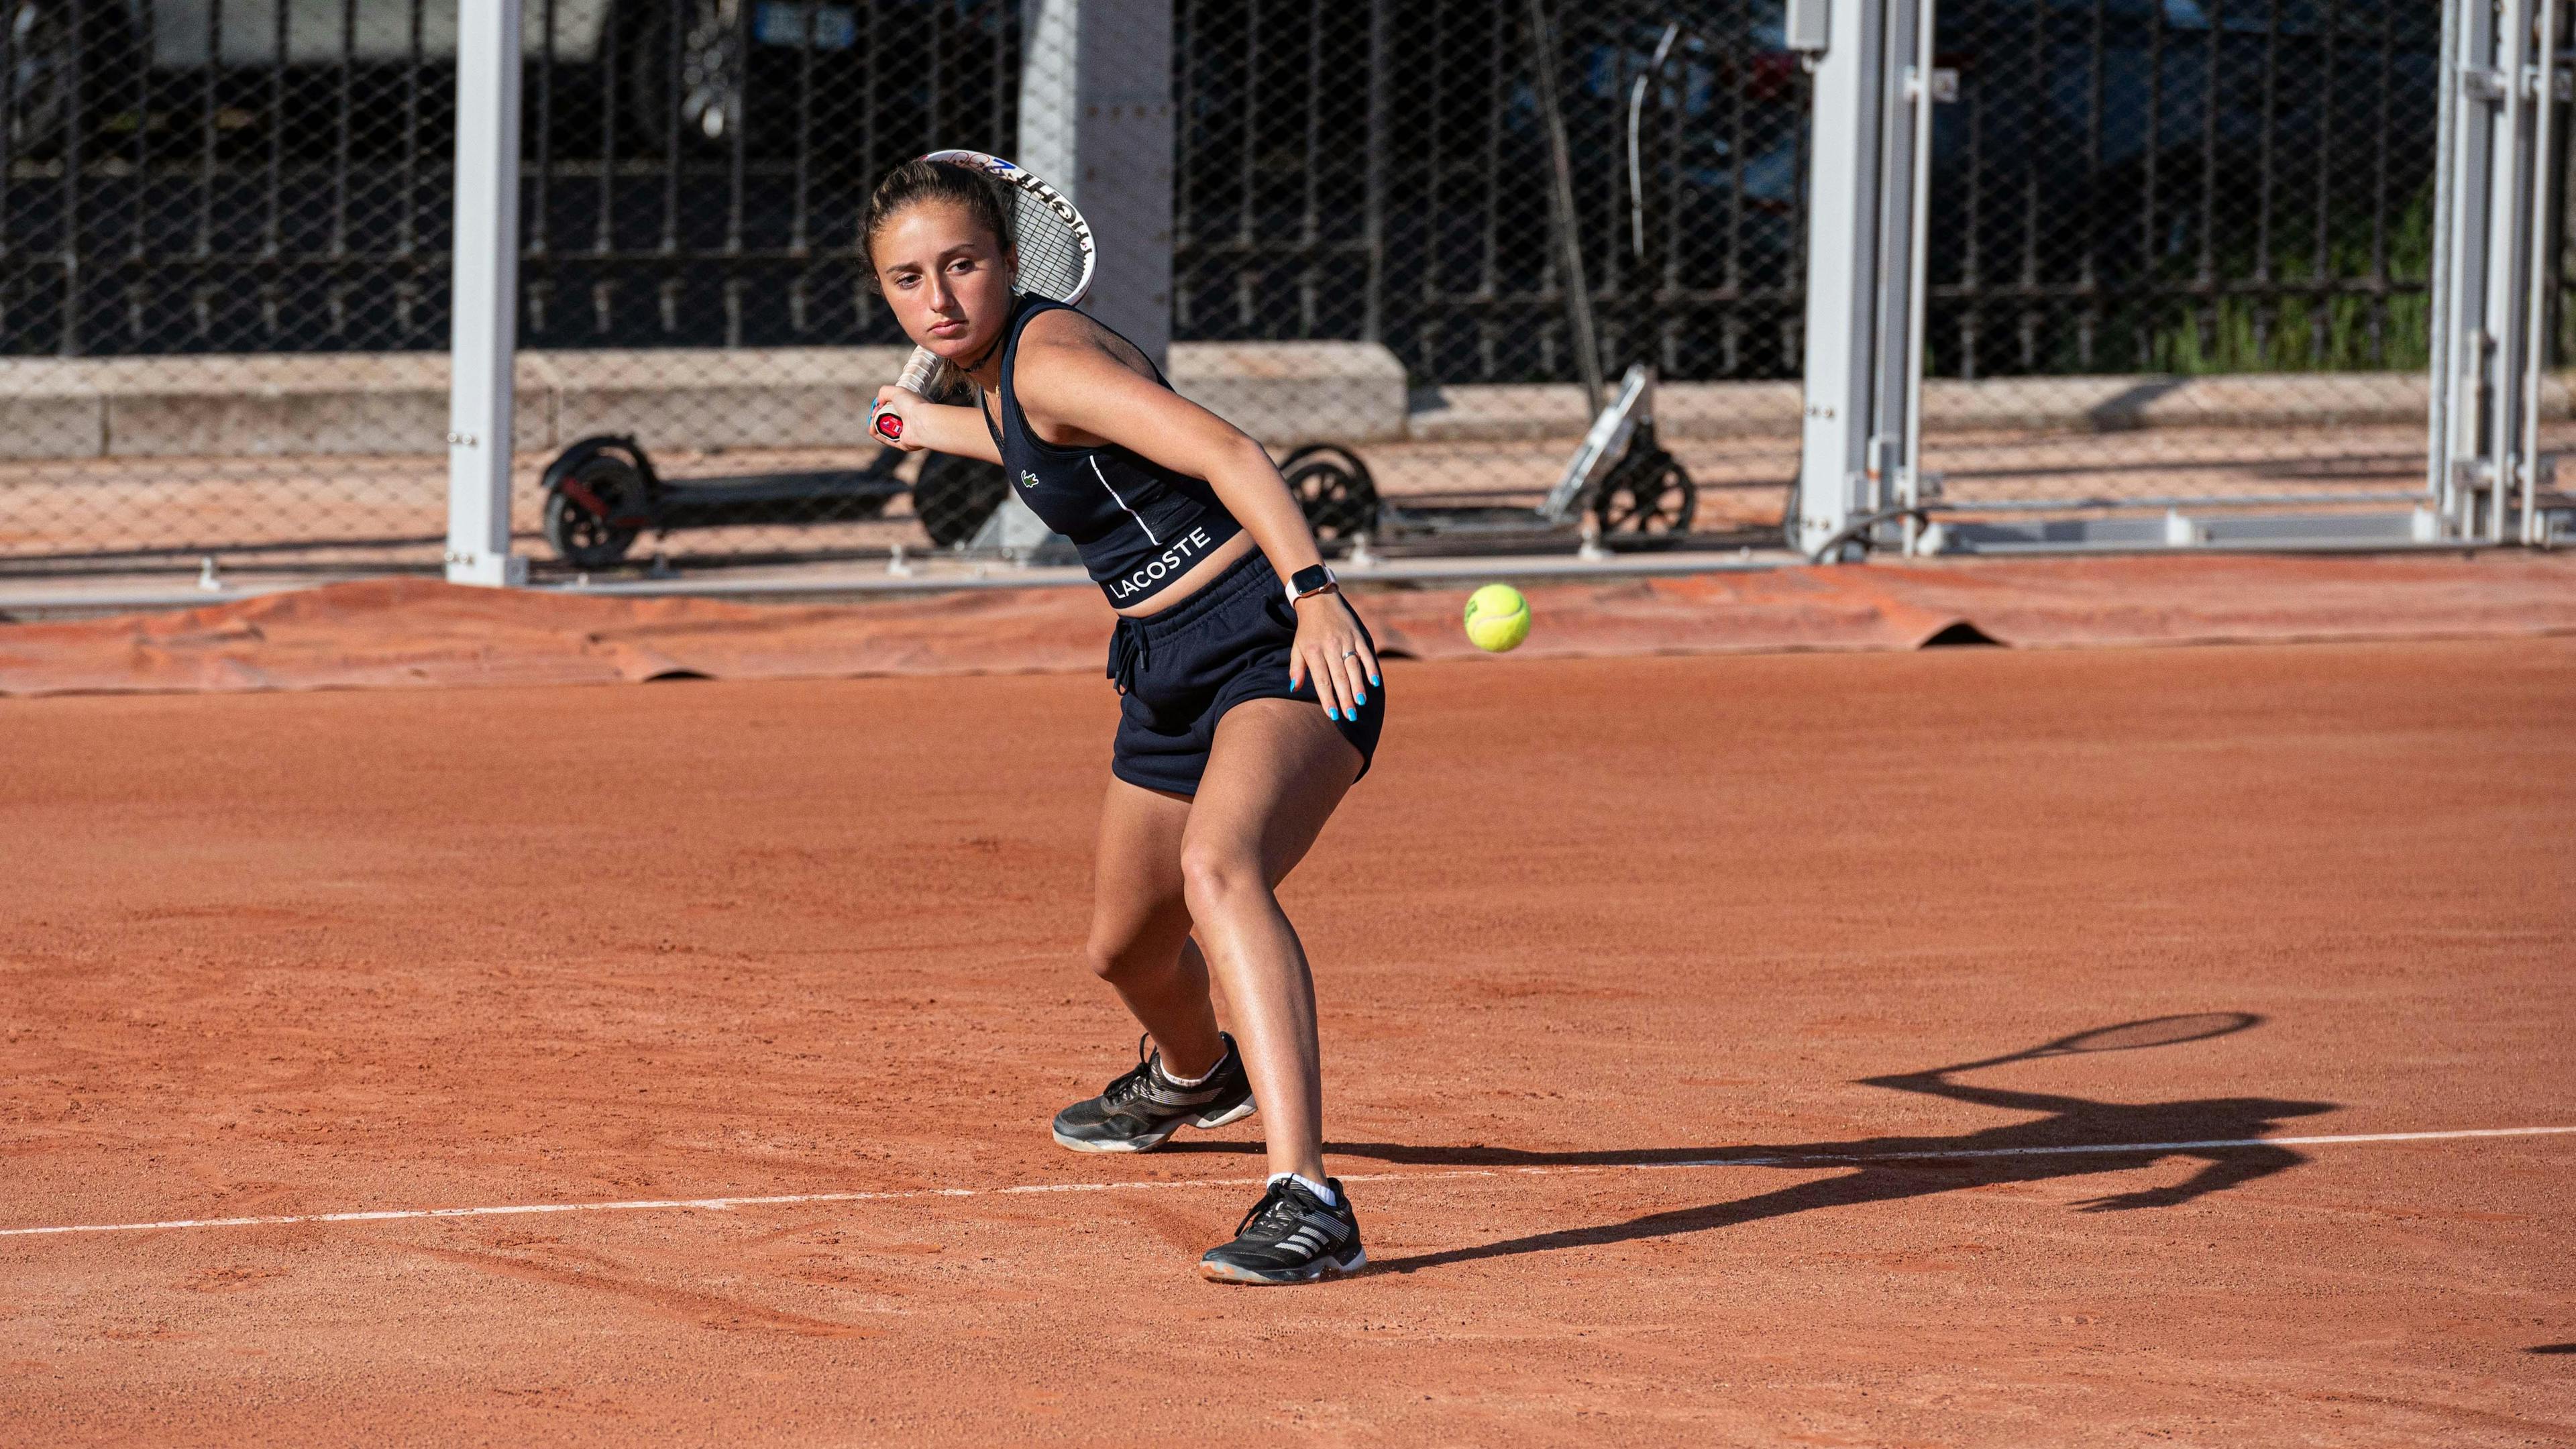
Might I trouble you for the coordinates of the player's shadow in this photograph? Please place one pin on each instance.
(2071, 1137)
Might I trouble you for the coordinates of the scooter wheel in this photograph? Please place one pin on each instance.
(1649, 494)
(1335, 493)
(955, 495)
(1350, 461)
(595, 510)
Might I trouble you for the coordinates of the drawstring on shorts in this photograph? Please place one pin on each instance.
(1126, 654)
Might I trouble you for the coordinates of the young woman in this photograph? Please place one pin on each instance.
(1248, 705)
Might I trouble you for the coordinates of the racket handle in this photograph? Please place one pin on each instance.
(917, 372)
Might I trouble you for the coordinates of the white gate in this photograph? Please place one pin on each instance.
(2179, 274)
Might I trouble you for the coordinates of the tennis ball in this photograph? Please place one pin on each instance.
(1497, 618)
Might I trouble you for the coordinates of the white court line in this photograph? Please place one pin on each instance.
(1803, 1159)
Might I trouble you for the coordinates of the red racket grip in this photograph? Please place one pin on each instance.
(918, 370)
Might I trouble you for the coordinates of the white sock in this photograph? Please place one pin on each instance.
(1179, 1081)
(1322, 1193)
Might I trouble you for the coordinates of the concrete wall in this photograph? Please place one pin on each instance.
(2035, 404)
(1281, 392)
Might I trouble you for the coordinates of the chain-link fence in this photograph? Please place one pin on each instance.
(201, 193)
(1362, 259)
(693, 286)
(1386, 172)
(2179, 253)
(195, 199)
(2178, 248)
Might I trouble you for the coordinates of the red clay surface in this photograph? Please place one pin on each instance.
(291, 952)
(409, 632)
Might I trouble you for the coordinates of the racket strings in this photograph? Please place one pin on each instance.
(1052, 260)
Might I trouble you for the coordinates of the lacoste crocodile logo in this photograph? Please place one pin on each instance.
(1028, 479)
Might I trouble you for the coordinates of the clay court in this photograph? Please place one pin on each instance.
(733, 1011)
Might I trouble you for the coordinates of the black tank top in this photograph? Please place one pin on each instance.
(1138, 524)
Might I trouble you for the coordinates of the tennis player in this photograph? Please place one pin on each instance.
(1250, 697)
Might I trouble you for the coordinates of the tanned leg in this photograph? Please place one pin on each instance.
(1140, 926)
(1276, 773)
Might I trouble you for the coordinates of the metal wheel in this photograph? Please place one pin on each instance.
(955, 495)
(1335, 492)
(595, 509)
(1349, 460)
(1650, 494)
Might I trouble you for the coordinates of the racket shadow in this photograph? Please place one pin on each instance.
(1891, 1169)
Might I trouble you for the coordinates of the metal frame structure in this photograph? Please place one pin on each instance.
(1874, 89)
(1862, 480)
(484, 335)
(2504, 74)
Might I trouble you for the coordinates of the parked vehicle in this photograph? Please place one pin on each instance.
(698, 60)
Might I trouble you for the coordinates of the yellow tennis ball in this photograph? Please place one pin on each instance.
(1498, 618)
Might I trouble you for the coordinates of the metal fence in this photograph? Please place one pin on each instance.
(2127, 186)
(224, 254)
(194, 197)
(262, 176)
(2199, 236)
(224, 224)
(1382, 172)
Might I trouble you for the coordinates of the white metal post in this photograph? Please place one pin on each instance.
(1843, 268)
(2452, 134)
(2490, 279)
(1096, 121)
(2508, 201)
(2463, 326)
(484, 334)
(1919, 94)
(2543, 95)
(1861, 476)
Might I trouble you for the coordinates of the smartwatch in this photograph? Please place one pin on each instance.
(1313, 580)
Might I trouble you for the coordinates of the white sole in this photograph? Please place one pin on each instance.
(1327, 1268)
(1242, 1109)
(1074, 1144)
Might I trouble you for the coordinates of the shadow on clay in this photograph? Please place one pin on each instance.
(1918, 1166)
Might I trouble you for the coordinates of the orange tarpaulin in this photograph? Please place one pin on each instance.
(389, 632)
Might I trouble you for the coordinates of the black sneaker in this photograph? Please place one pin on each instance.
(1141, 1110)
(1290, 1237)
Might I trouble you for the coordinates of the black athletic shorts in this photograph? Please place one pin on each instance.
(1179, 671)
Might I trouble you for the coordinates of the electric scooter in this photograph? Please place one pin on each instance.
(603, 493)
(1620, 482)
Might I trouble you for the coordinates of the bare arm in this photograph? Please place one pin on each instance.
(935, 427)
(1938, 1084)
(1076, 392)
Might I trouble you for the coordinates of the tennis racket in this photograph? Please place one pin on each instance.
(1056, 256)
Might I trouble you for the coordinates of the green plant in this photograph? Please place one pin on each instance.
(2331, 333)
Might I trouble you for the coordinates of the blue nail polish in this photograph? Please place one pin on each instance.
(1373, 679)
(1360, 699)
